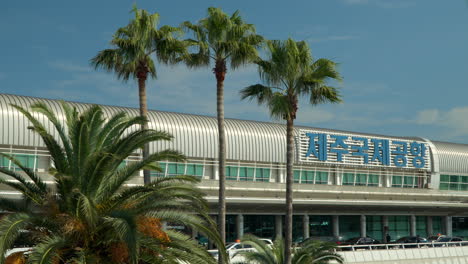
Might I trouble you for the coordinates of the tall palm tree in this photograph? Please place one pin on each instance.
(131, 57)
(289, 73)
(222, 39)
(311, 252)
(90, 215)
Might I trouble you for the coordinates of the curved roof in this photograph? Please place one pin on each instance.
(196, 136)
(453, 158)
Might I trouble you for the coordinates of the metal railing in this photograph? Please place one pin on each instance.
(401, 246)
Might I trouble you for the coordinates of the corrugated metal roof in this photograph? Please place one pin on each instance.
(196, 136)
(453, 158)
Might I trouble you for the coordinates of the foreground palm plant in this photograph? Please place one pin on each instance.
(316, 252)
(289, 73)
(90, 215)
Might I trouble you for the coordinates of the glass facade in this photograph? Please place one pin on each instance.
(174, 169)
(374, 227)
(27, 160)
(231, 230)
(298, 228)
(350, 226)
(454, 182)
(262, 226)
(247, 174)
(320, 225)
(421, 226)
(437, 226)
(460, 227)
(398, 226)
(405, 181)
(360, 179)
(310, 177)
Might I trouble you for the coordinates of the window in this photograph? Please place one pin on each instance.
(246, 174)
(262, 174)
(231, 173)
(321, 177)
(348, 178)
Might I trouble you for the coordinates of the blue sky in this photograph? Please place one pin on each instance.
(404, 62)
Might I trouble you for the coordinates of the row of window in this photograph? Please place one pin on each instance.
(247, 174)
(361, 179)
(454, 182)
(310, 177)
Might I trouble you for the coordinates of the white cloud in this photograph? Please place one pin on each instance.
(428, 116)
(453, 122)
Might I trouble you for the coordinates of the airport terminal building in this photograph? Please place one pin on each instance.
(346, 183)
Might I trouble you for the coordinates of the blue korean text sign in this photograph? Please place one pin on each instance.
(317, 146)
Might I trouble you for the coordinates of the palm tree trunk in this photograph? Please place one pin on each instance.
(220, 72)
(289, 194)
(144, 113)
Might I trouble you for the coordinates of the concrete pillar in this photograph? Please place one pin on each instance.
(240, 226)
(336, 226)
(164, 225)
(448, 225)
(215, 172)
(306, 226)
(363, 226)
(279, 226)
(413, 225)
(429, 227)
(282, 176)
(385, 228)
(194, 233)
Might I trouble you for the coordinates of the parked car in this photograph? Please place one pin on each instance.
(435, 238)
(235, 247)
(411, 240)
(441, 242)
(359, 243)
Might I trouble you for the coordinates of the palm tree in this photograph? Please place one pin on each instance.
(311, 252)
(221, 40)
(131, 57)
(90, 215)
(290, 73)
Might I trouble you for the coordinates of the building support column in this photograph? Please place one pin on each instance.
(363, 226)
(412, 225)
(448, 225)
(306, 226)
(240, 226)
(385, 228)
(279, 226)
(336, 226)
(429, 227)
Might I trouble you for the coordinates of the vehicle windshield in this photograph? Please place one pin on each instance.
(433, 238)
(230, 245)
